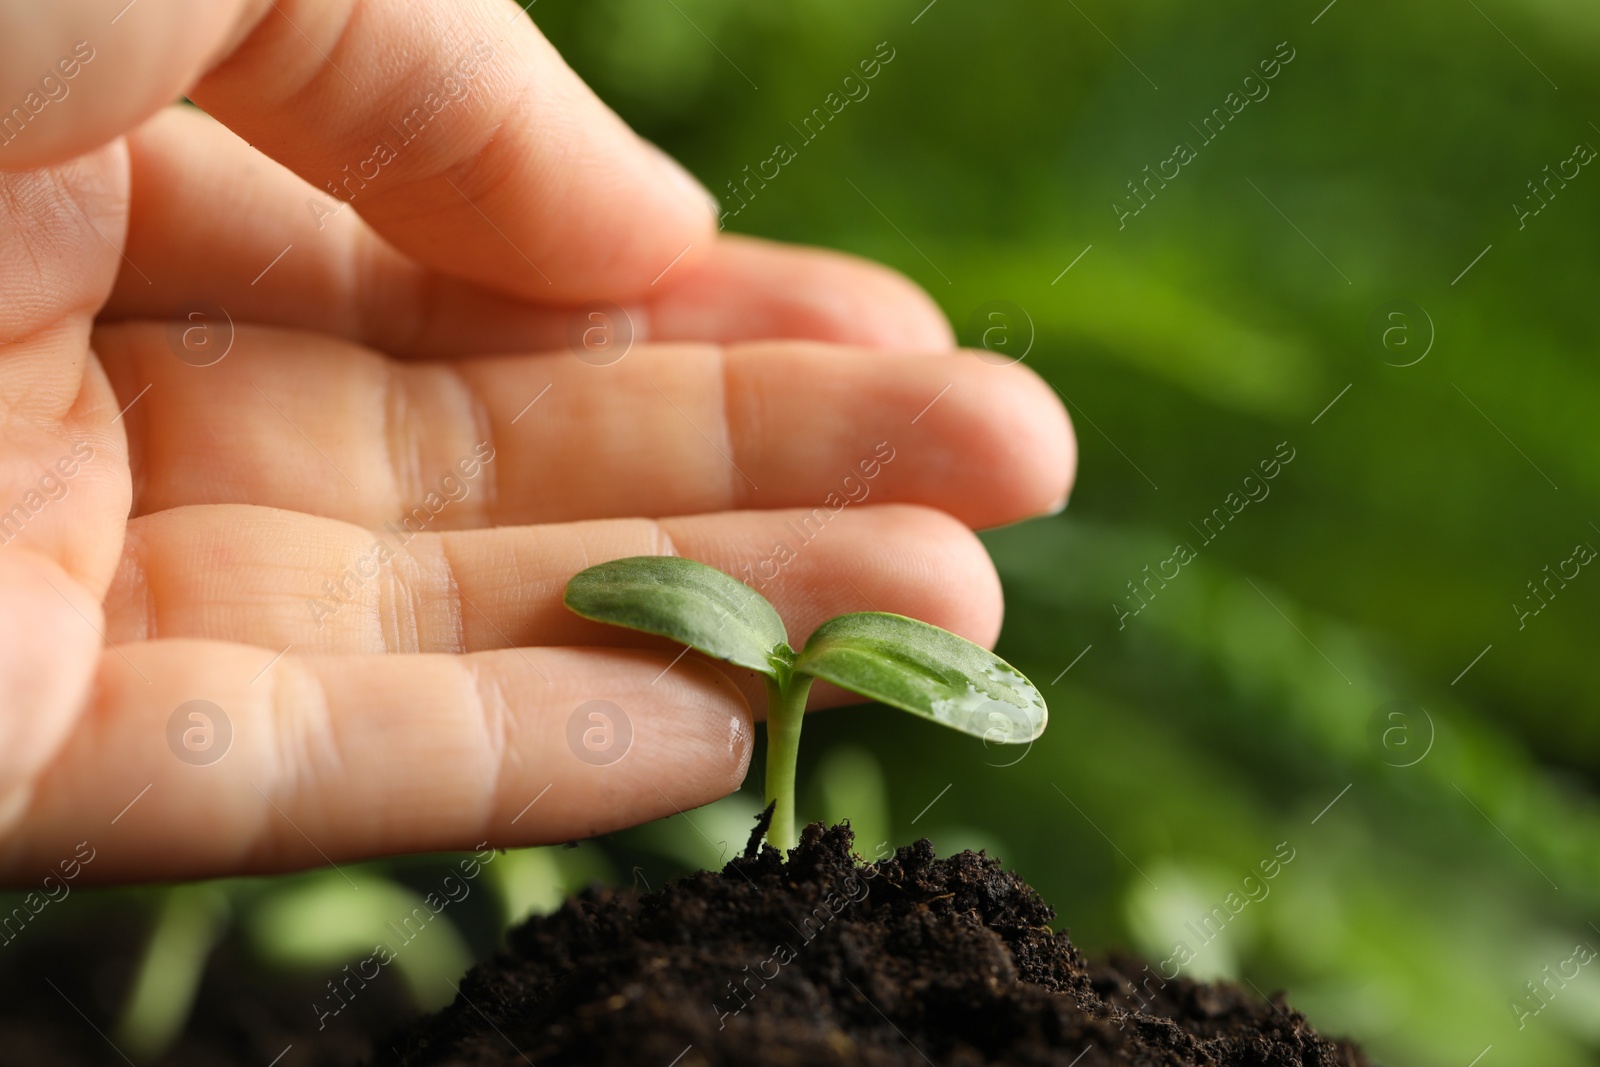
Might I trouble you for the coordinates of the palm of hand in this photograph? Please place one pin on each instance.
(350, 533)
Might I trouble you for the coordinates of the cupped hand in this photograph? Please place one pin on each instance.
(309, 409)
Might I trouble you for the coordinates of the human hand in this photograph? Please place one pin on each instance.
(350, 529)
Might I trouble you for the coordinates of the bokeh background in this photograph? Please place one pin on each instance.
(1352, 671)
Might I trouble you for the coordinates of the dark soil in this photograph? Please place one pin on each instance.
(909, 961)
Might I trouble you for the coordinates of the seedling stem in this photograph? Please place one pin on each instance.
(786, 713)
(897, 661)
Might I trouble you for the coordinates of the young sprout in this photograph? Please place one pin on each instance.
(888, 658)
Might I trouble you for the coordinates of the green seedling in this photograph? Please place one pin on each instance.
(897, 661)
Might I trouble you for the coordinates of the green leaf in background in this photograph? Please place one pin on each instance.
(690, 602)
(927, 671)
(1187, 343)
(320, 921)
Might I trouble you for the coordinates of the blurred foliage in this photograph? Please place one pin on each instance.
(1305, 681)
(1317, 643)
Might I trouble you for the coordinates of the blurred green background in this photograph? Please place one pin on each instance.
(1342, 668)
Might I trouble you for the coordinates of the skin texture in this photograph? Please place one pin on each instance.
(169, 529)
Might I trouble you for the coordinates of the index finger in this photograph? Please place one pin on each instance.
(455, 129)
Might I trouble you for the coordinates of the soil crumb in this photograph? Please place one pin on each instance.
(908, 962)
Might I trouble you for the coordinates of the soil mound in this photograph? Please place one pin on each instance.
(908, 962)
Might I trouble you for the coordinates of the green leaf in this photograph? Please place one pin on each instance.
(690, 602)
(927, 671)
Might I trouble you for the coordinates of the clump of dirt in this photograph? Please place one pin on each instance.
(907, 962)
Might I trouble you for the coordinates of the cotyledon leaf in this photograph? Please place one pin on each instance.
(690, 602)
(927, 671)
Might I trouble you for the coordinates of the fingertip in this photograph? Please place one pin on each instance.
(620, 735)
(750, 289)
(990, 444)
(1023, 437)
(675, 228)
(894, 312)
(681, 180)
(955, 580)
(712, 739)
(675, 733)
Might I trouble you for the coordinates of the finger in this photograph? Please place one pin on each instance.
(63, 470)
(455, 129)
(462, 136)
(49, 645)
(222, 573)
(94, 71)
(668, 430)
(746, 289)
(64, 490)
(334, 759)
(214, 220)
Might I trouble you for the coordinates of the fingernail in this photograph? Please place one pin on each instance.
(678, 176)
